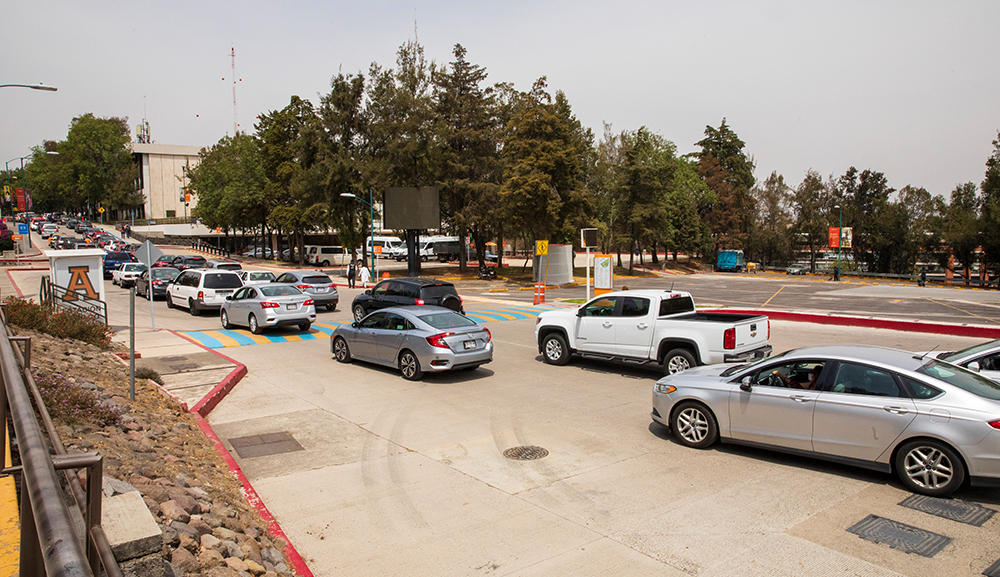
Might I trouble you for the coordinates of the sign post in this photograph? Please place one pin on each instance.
(147, 254)
(588, 238)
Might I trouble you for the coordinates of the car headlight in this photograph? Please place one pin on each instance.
(663, 388)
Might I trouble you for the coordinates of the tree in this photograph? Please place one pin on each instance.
(991, 208)
(229, 182)
(958, 225)
(728, 172)
(773, 240)
(863, 198)
(811, 224)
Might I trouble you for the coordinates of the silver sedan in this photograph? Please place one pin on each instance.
(415, 339)
(935, 424)
(263, 306)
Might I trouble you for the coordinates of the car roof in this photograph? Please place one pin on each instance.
(422, 281)
(865, 353)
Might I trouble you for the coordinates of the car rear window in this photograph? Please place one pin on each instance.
(672, 306)
(198, 259)
(118, 256)
(438, 291)
(447, 320)
(966, 380)
(217, 280)
(261, 276)
(229, 266)
(164, 272)
(279, 291)
(317, 279)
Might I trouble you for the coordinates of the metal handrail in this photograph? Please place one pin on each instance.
(49, 543)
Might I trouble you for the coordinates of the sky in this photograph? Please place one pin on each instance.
(907, 88)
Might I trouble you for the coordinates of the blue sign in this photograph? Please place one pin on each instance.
(22, 229)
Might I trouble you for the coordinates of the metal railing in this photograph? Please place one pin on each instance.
(49, 545)
(58, 297)
(211, 249)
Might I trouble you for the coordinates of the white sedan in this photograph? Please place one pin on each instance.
(256, 276)
(126, 274)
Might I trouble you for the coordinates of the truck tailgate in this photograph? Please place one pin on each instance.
(751, 333)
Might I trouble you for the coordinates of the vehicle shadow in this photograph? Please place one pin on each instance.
(616, 368)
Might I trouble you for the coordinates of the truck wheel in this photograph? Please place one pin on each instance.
(676, 361)
(555, 351)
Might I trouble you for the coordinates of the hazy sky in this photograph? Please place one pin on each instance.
(908, 88)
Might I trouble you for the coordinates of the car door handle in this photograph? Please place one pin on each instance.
(607, 324)
(896, 410)
(642, 326)
(800, 398)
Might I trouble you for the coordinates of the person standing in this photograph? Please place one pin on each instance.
(352, 272)
(366, 275)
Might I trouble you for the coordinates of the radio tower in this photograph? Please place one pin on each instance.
(236, 125)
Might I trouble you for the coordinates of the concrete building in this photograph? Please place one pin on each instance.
(162, 174)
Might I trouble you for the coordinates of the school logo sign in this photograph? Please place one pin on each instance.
(80, 272)
(79, 281)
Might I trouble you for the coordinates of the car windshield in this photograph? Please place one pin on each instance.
(216, 280)
(279, 291)
(966, 380)
(447, 320)
(954, 357)
(261, 276)
(317, 279)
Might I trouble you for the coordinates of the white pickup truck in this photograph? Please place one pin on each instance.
(650, 326)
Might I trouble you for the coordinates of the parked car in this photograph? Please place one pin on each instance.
(871, 406)
(256, 276)
(406, 291)
(650, 327)
(184, 262)
(165, 260)
(983, 358)
(797, 269)
(153, 282)
(259, 253)
(113, 260)
(325, 255)
(125, 275)
(200, 289)
(416, 339)
(265, 306)
(314, 283)
(225, 265)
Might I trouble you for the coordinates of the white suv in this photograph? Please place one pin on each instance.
(202, 289)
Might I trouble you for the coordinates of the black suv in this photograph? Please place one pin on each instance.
(184, 262)
(397, 292)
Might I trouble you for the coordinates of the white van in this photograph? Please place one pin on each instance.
(432, 245)
(386, 242)
(326, 255)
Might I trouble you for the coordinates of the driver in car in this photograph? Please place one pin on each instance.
(809, 385)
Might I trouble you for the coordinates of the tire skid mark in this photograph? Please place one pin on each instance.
(402, 497)
(370, 474)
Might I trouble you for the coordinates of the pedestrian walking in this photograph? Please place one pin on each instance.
(352, 273)
(923, 277)
(366, 275)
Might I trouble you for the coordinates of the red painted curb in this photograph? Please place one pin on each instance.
(17, 288)
(979, 331)
(298, 564)
(219, 392)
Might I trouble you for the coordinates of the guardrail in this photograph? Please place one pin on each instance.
(211, 249)
(49, 544)
(58, 297)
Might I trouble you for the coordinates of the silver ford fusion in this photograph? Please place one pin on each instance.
(416, 339)
(935, 424)
(272, 305)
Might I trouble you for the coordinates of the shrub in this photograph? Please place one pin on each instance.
(71, 404)
(58, 323)
(148, 373)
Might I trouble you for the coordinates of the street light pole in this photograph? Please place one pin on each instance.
(31, 86)
(840, 238)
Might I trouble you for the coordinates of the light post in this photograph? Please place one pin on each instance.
(31, 86)
(371, 221)
(840, 237)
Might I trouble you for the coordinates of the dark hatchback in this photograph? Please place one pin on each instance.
(398, 292)
(314, 283)
(184, 262)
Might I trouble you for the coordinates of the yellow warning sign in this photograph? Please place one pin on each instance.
(541, 247)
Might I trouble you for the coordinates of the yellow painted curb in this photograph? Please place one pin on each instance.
(503, 290)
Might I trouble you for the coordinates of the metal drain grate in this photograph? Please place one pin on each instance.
(968, 513)
(264, 445)
(905, 538)
(993, 570)
(526, 453)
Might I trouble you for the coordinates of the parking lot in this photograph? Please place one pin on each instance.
(390, 477)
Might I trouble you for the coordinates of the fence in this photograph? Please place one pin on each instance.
(49, 545)
(210, 249)
(67, 300)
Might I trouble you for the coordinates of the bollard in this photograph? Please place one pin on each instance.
(385, 275)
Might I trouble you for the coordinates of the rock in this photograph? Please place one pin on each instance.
(212, 520)
(154, 491)
(255, 568)
(189, 544)
(220, 572)
(112, 486)
(173, 511)
(170, 536)
(185, 561)
(237, 565)
(185, 529)
(210, 542)
(171, 570)
(201, 527)
(231, 549)
(224, 534)
(210, 558)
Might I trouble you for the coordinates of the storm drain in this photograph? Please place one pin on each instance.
(905, 538)
(525, 453)
(961, 511)
(264, 445)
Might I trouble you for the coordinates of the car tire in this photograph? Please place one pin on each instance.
(170, 301)
(305, 327)
(409, 366)
(929, 467)
(192, 308)
(254, 327)
(326, 263)
(555, 351)
(341, 351)
(331, 307)
(677, 360)
(693, 425)
(224, 317)
(359, 312)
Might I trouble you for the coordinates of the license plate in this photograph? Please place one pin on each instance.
(470, 345)
(223, 292)
(291, 306)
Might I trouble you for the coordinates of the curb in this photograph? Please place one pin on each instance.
(964, 330)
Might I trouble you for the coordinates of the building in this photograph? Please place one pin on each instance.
(162, 176)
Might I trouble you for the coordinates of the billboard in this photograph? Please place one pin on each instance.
(411, 208)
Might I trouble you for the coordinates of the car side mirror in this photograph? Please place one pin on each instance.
(579, 312)
(973, 366)
(745, 385)
(368, 292)
(354, 324)
(229, 298)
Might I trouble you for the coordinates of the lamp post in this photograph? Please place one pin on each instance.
(31, 86)
(840, 238)
(371, 220)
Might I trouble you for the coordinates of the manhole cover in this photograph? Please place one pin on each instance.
(264, 445)
(900, 536)
(526, 453)
(961, 511)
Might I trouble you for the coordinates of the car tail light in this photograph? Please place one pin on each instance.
(267, 305)
(303, 287)
(994, 424)
(438, 340)
(418, 301)
(768, 329)
(729, 339)
(309, 303)
(489, 335)
(201, 295)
